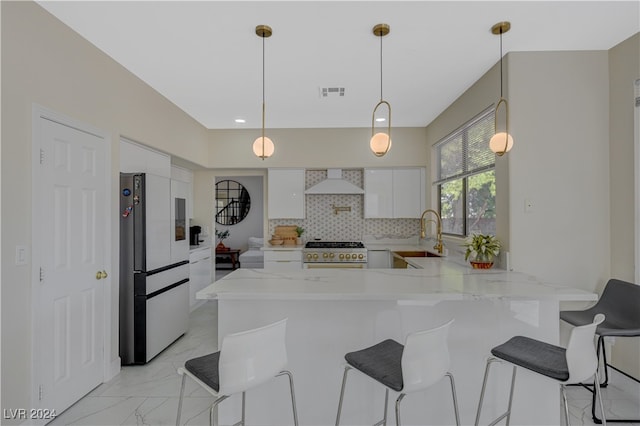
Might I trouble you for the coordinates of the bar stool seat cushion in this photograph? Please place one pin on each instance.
(613, 325)
(205, 368)
(381, 362)
(543, 358)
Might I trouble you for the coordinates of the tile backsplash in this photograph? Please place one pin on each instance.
(323, 223)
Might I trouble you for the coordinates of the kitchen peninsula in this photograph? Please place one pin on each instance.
(334, 311)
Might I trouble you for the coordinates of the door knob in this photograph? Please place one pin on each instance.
(101, 274)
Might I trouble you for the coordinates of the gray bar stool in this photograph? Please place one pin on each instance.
(575, 364)
(620, 303)
(418, 364)
(246, 360)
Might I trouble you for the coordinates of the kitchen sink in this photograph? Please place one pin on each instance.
(400, 263)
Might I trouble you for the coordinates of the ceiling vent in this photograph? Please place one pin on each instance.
(331, 92)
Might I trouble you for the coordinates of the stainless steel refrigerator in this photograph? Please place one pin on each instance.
(154, 282)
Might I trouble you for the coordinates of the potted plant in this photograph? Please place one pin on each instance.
(481, 249)
(221, 235)
(299, 231)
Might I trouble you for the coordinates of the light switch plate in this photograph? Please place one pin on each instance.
(22, 255)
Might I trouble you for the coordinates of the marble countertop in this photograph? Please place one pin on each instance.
(439, 279)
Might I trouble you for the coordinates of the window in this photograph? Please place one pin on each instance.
(465, 178)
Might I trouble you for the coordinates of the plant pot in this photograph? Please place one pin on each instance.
(221, 247)
(481, 264)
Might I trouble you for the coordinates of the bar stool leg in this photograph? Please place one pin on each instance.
(596, 383)
(344, 382)
(506, 414)
(214, 409)
(244, 397)
(398, 409)
(513, 383)
(455, 398)
(565, 405)
(293, 396)
(383, 422)
(484, 387)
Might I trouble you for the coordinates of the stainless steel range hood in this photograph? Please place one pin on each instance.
(334, 184)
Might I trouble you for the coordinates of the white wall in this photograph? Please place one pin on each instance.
(317, 148)
(45, 63)
(624, 69)
(560, 162)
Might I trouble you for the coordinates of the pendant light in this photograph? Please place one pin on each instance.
(380, 143)
(263, 146)
(501, 142)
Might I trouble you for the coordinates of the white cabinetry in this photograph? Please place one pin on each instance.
(378, 193)
(283, 260)
(408, 192)
(136, 158)
(394, 193)
(185, 176)
(179, 221)
(199, 273)
(378, 259)
(286, 194)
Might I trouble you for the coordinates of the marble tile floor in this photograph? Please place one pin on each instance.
(148, 395)
(621, 400)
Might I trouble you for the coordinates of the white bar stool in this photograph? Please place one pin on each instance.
(246, 360)
(420, 363)
(575, 364)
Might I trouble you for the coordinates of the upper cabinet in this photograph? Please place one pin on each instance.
(378, 193)
(286, 194)
(394, 193)
(135, 158)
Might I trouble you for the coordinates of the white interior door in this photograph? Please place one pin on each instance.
(70, 314)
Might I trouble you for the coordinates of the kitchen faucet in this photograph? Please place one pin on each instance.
(423, 229)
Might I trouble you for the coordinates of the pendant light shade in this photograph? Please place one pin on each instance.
(501, 142)
(263, 146)
(380, 142)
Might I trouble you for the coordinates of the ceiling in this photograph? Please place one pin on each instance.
(205, 57)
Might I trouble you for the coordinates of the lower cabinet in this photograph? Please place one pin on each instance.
(199, 273)
(378, 259)
(282, 260)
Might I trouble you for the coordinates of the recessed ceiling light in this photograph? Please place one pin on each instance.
(381, 119)
(240, 120)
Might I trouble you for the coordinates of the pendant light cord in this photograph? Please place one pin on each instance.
(381, 97)
(263, 94)
(501, 63)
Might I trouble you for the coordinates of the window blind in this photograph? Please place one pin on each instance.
(466, 151)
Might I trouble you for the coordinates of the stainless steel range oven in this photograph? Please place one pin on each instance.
(334, 254)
